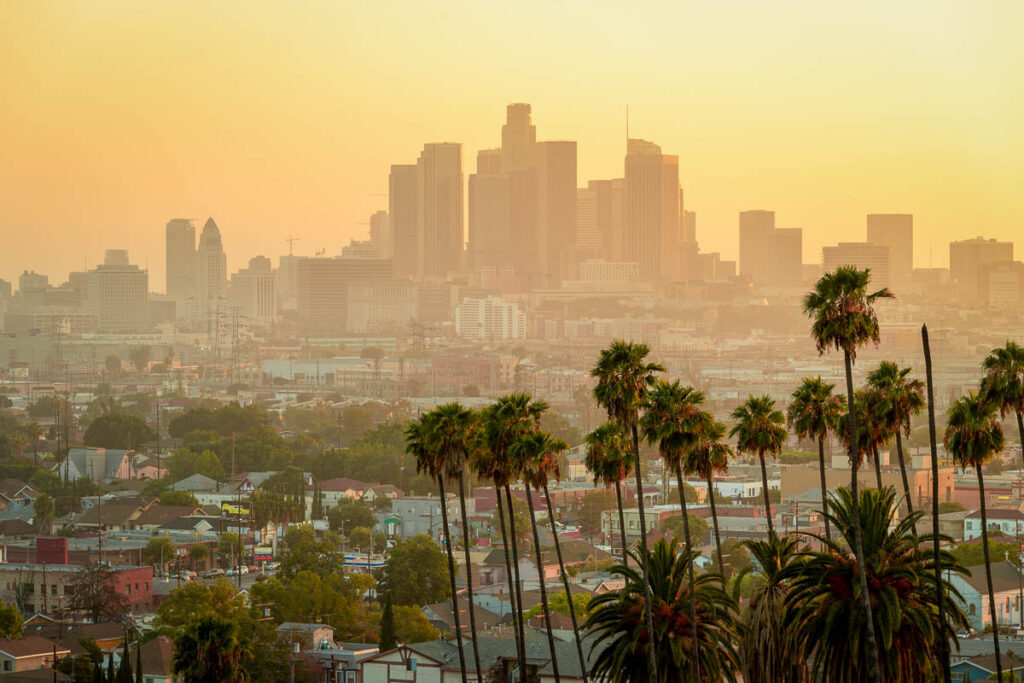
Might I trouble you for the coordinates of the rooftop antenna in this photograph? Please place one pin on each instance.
(627, 127)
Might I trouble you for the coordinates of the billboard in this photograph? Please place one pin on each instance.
(238, 509)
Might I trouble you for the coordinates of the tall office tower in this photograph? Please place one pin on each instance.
(875, 257)
(380, 233)
(755, 227)
(254, 291)
(490, 237)
(439, 228)
(288, 282)
(652, 211)
(489, 319)
(402, 216)
(211, 270)
(518, 136)
(180, 256)
(896, 231)
(967, 261)
(5, 290)
(555, 162)
(324, 284)
(689, 222)
(117, 294)
(588, 236)
(785, 256)
(611, 216)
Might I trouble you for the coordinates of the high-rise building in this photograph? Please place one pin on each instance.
(375, 308)
(1002, 284)
(254, 291)
(288, 282)
(652, 211)
(323, 288)
(180, 256)
(117, 294)
(874, 257)
(555, 162)
(489, 319)
(610, 198)
(755, 228)
(785, 256)
(588, 235)
(402, 210)
(490, 236)
(689, 225)
(439, 209)
(518, 136)
(211, 271)
(967, 261)
(380, 233)
(896, 231)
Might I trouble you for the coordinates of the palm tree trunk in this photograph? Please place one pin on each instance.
(515, 566)
(516, 613)
(451, 577)
(939, 592)
(906, 482)
(543, 587)
(469, 576)
(824, 486)
(764, 490)
(1020, 432)
(565, 584)
(878, 467)
(874, 668)
(622, 523)
(690, 579)
(651, 654)
(714, 523)
(988, 574)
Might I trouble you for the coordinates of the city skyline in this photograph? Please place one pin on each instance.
(310, 157)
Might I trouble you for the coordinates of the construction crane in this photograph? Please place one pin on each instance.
(291, 243)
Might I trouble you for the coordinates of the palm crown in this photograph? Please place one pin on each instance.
(898, 397)
(623, 378)
(759, 426)
(672, 419)
(502, 423)
(536, 457)
(973, 432)
(814, 410)
(608, 457)
(842, 310)
(710, 454)
(1004, 379)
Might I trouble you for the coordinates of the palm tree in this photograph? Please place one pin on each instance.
(973, 437)
(830, 619)
(609, 460)
(35, 432)
(212, 649)
(899, 399)
(812, 414)
(769, 641)
(1004, 383)
(623, 378)
(671, 419)
(708, 457)
(19, 442)
(622, 645)
(421, 442)
(870, 431)
(43, 512)
(533, 454)
(759, 429)
(844, 319)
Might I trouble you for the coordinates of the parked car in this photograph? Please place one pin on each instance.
(213, 573)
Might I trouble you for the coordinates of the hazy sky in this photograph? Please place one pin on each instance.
(283, 117)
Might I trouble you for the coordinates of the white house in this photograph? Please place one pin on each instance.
(1008, 521)
(1007, 583)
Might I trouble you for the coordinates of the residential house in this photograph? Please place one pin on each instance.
(332, 491)
(983, 668)
(28, 653)
(1007, 582)
(155, 516)
(16, 495)
(102, 465)
(1008, 521)
(308, 636)
(195, 483)
(416, 515)
(158, 661)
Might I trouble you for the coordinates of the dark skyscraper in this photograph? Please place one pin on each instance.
(439, 209)
(402, 216)
(180, 259)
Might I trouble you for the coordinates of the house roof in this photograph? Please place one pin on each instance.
(10, 488)
(485, 618)
(112, 514)
(16, 527)
(1005, 577)
(158, 515)
(296, 626)
(344, 484)
(196, 482)
(158, 657)
(493, 649)
(987, 662)
(30, 646)
(998, 513)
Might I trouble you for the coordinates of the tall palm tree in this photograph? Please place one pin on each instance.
(973, 437)
(454, 430)
(532, 453)
(212, 649)
(831, 620)
(672, 421)
(900, 397)
(870, 431)
(708, 457)
(760, 429)
(609, 460)
(844, 318)
(19, 442)
(622, 644)
(35, 432)
(623, 378)
(421, 443)
(812, 414)
(769, 642)
(1004, 383)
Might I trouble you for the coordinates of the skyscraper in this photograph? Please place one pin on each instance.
(117, 294)
(254, 291)
(439, 209)
(211, 271)
(610, 197)
(402, 209)
(755, 227)
(490, 238)
(968, 260)
(689, 222)
(785, 256)
(518, 136)
(380, 233)
(555, 162)
(896, 231)
(652, 211)
(180, 254)
(874, 257)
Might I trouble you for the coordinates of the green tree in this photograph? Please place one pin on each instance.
(212, 649)
(416, 572)
(557, 602)
(159, 551)
(413, 625)
(228, 546)
(707, 457)
(623, 379)
(12, 624)
(814, 412)
(621, 645)
(349, 514)
(674, 527)
(118, 430)
(973, 437)
(113, 365)
(608, 459)
(140, 357)
(180, 498)
(388, 637)
(361, 538)
(184, 463)
(43, 510)
(759, 429)
(194, 600)
(93, 592)
(843, 318)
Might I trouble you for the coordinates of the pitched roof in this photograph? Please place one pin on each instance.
(1005, 577)
(161, 514)
(997, 513)
(112, 513)
(30, 646)
(195, 482)
(344, 484)
(158, 657)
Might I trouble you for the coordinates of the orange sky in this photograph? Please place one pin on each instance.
(281, 118)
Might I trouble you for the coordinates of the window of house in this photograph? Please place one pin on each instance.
(971, 611)
(8, 665)
(53, 589)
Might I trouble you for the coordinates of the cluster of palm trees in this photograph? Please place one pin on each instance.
(872, 602)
